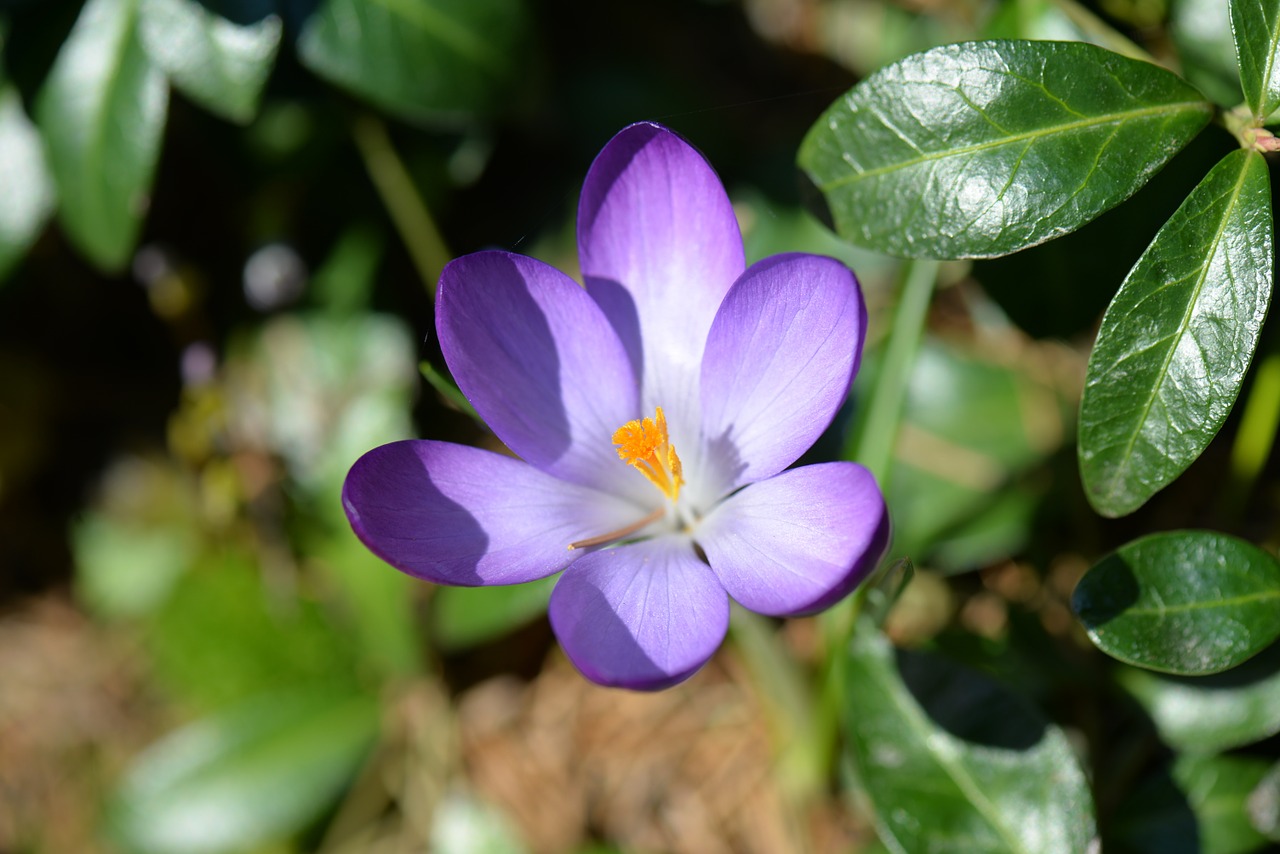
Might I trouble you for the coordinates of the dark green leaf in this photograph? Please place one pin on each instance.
(1207, 714)
(1177, 339)
(1217, 788)
(419, 59)
(467, 616)
(952, 762)
(102, 113)
(1188, 602)
(1256, 24)
(985, 148)
(220, 65)
(28, 190)
(258, 771)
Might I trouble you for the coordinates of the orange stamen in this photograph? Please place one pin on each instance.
(646, 447)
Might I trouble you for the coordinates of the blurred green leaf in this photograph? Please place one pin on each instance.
(258, 771)
(953, 762)
(1264, 804)
(1217, 789)
(1177, 340)
(1256, 24)
(125, 570)
(419, 59)
(224, 635)
(1201, 29)
(102, 114)
(218, 64)
(28, 190)
(970, 426)
(1185, 602)
(463, 617)
(984, 148)
(378, 601)
(1208, 714)
(1032, 19)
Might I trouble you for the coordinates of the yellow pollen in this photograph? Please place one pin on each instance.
(645, 446)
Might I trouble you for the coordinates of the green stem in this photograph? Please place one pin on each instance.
(408, 211)
(873, 445)
(1257, 431)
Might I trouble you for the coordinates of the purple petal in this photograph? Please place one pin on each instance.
(659, 247)
(643, 616)
(539, 361)
(780, 356)
(799, 542)
(458, 515)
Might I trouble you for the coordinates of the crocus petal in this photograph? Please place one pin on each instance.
(798, 542)
(540, 363)
(458, 515)
(659, 248)
(643, 616)
(780, 356)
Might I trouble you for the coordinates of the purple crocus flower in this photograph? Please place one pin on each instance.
(655, 413)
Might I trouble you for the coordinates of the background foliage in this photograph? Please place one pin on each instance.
(220, 225)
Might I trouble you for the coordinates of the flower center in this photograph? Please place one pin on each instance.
(646, 447)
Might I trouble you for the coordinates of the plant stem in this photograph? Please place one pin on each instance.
(874, 443)
(1257, 431)
(405, 205)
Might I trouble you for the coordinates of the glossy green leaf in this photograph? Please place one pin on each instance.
(258, 771)
(984, 148)
(28, 190)
(419, 59)
(1177, 339)
(1218, 789)
(467, 616)
(102, 113)
(952, 762)
(1256, 25)
(218, 64)
(1188, 602)
(1208, 714)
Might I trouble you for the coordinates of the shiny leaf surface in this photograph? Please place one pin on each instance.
(102, 113)
(1256, 25)
(952, 762)
(255, 772)
(985, 148)
(1188, 602)
(1177, 339)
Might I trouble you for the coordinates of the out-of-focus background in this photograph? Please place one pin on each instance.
(220, 225)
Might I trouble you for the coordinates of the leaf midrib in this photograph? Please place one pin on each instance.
(1033, 135)
(956, 771)
(1121, 470)
(1183, 607)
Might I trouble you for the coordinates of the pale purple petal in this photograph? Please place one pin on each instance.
(538, 360)
(780, 356)
(643, 616)
(458, 515)
(798, 542)
(659, 248)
